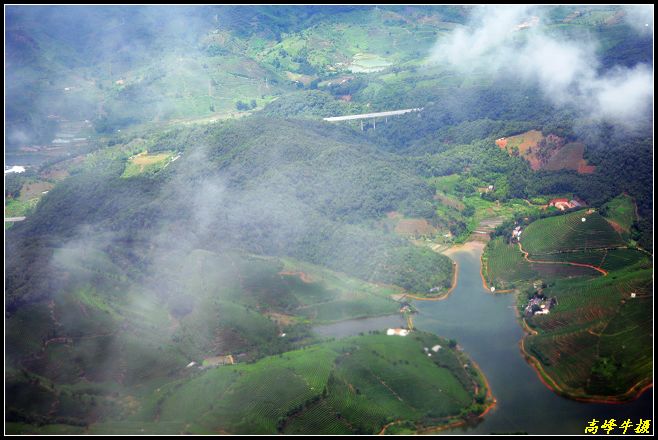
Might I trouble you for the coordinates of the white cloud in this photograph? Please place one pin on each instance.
(623, 94)
(566, 70)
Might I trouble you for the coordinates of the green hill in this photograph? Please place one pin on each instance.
(569, 232)
(595, 343)
(352, 386)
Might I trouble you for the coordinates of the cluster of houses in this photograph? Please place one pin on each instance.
(516, 233)
(539, 305)
(563, 204)
(397, 332)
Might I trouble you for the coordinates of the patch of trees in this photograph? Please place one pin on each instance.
(312, 103)
(246, 105)
(13, 185)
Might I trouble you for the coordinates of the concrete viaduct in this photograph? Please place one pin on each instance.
(372, 116)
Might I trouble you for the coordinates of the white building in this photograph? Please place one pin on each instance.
(397, 332)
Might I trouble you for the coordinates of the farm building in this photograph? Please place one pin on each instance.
(539, 305)
(563, 204)
(397, 332)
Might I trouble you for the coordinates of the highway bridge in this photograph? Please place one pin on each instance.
(372, 116)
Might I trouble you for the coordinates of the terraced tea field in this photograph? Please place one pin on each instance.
(569, 232)
(504, 267)
(595, 344)
(354, 385)
(597, 321)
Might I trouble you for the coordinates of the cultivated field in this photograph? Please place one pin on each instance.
(147, 163)
(569, 157)
(568, 232)
(597, 341)
(595, 344)
(620, 212)
(355, 385)
(504, 267)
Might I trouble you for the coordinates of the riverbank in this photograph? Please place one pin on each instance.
(484, 281)
(490, 402)
(455, 277)
(633, 393)
(547, 380)
(488, 330)
(471, 246)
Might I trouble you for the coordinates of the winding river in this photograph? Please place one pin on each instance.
(486, 327)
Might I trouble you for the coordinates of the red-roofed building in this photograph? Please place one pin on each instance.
(561, 204)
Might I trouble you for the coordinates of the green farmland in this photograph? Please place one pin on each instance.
(597, 341)
(355, 385)
(352, 386)
(147, 163)
(569, 232)
(595, 344)
(504, 267)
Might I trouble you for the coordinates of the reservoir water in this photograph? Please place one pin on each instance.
(486, 327)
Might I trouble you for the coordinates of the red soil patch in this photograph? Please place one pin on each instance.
(583, 168)
(534, 163)
(302, 276)
(502, 143)
(525, 142)
(616, 226)
(530, 140)
(570, 157)
(615, 19)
